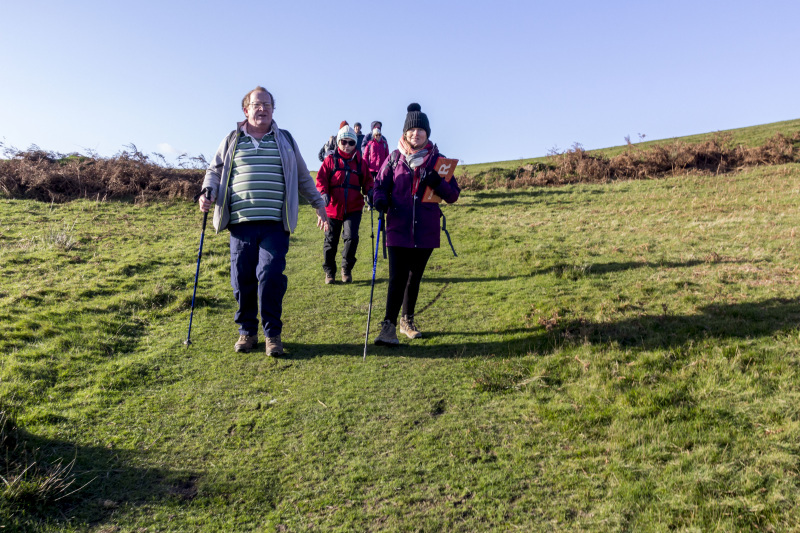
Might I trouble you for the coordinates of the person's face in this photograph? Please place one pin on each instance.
(259, 112)
(357, 128)
(347, 145)
(416, 137)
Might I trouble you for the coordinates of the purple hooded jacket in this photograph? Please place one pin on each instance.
(410, 222)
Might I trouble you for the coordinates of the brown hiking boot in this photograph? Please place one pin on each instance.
(388, 335)
(329, 279)
(346, 277)
(245, 343)
(408, 327)
(274, 346)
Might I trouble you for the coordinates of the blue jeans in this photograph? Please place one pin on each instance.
(258, 259)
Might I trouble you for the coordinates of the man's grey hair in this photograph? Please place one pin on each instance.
(259, 89)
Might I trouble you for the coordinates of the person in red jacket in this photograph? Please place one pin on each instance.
(343, 180)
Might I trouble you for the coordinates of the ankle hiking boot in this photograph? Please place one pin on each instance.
(245, 343)
(274, 346)
(346, 277)
(329, 278)
(408, 327)
(388, 335)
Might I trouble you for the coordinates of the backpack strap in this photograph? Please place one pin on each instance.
(393, 159)
(291, 139)
(392, 164)
(347, 171)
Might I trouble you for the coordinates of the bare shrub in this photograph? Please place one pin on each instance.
(54, 177)
(716, 155)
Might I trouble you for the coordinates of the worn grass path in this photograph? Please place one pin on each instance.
(620, 357)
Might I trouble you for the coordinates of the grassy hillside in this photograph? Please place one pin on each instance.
(749, 136)
(617, 357)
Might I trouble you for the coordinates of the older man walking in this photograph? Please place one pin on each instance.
(255, 179)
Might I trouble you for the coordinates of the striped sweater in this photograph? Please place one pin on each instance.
(258, 186)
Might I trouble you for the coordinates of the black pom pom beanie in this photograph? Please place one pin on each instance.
(416, 119)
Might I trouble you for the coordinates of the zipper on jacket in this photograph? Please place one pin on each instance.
(415, 188)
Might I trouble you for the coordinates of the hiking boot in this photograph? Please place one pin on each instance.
(245, 343)
(408, 327)
(274, 346)
(346, 277)
(388, 334)
(329, 278)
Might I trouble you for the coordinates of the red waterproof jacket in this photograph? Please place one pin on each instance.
(345, 179)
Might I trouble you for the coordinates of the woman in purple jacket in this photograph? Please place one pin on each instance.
(412, 226)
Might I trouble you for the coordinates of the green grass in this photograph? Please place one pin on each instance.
(749, 136)
(617, 357)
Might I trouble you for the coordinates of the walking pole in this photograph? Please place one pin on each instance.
(372, 287)
(207, 193)
(372, 224)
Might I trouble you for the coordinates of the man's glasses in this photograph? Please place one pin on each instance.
(261, 105)
(347, 143)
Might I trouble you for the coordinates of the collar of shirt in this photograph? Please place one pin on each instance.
(244, 130)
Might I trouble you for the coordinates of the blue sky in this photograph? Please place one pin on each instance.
(498, 79)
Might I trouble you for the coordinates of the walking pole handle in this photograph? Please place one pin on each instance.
(205, 192)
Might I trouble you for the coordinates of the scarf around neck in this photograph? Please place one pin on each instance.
(344, 155)
(414, 158)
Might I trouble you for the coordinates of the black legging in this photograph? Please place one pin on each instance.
(406, 266)
(348, 229)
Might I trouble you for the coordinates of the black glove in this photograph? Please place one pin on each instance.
(381, 204)
(432, 179)
(368, 196)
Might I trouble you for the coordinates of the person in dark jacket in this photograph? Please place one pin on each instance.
(412, 226)
(343, 180)
(327, 148)
(359, 137)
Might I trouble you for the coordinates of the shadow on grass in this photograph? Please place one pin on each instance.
(520, 193)
(646, 332)
(611, 267)
(109, 479)
(432, 279)
(667, 331)
(514, 197)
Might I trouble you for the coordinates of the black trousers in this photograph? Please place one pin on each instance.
(406, 266)
(348, 230)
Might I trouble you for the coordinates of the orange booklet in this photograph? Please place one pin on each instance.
(445, 168)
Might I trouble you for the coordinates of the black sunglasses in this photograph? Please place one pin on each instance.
(347, 143)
